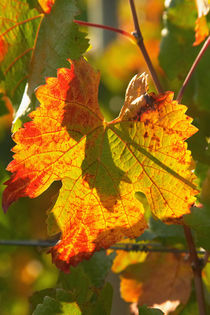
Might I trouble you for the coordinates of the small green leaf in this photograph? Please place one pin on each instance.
(49, 307)
(38, 297)
(77, 298)
(55, 302)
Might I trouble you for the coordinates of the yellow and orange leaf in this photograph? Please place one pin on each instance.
(201, 30)
(161, 280)
(201, 27)
(46, 5)
(102, 164)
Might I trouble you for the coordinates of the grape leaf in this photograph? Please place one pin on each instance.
(102, 164)
(160, 280)
(61, 304)
(98, 267)
(60, 301)
(18, 26)
(201, 27)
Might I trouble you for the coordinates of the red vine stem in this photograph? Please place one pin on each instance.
(140, 42)
(105, 27)
(192, 69)
(196, 268)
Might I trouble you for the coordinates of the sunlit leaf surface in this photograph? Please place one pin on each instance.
(102, 164)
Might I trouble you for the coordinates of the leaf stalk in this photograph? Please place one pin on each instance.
(106, 27)
(192, 69)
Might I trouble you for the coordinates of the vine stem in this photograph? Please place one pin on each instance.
(127, 247)
(196, 268)
(192, 69)
(140, 42)
(105, 27)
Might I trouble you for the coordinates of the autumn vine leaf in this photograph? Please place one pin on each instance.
(160, 280)
(201, 27)
(102, 164)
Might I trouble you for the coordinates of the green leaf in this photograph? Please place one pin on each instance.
(98, 267)
(77, 282)
(18, 26)
(49, 306)
(58, 39)
(144, 310)
(65, 302)
(199, 221)
(57, 306)
(178, 36)
(55, 302)
(104, 302)
(177, 53)
(38, 297)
